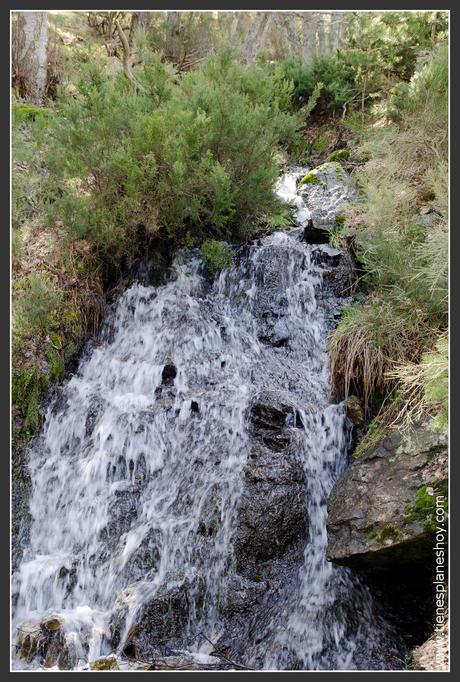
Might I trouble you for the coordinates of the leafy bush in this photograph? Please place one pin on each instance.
(217, 255)
(380, 51)
(191, 155)
(336, 77)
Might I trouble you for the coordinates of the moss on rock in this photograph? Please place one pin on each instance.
(339, 155)
(424, 507)
(309, 179)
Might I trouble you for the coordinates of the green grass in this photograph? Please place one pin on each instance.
(395, 339)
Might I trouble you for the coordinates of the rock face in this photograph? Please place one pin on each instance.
(160, 620)
(326, 190)
(382, 511)
(338, 270)
(272, 513)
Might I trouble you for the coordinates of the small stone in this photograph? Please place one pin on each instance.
(354, 410)
(106, 663)
(52, 624)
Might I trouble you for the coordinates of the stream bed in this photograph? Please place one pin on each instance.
(180, 481)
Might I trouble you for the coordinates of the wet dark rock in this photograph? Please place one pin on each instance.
(354, 410)
(20, 513)
(382, 510)
(241, 595)
(139, 272)
(159, 623)
(272, 512)
(272, 516)
(211, 514)
(168, 374)
(326, 255)
(94, 410)
(268, 413)
(143, 563)
(194, 407)
(315, 235)
(122, 512)
(276, 334)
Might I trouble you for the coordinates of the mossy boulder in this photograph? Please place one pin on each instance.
(326, 191)
(309, 179)
(383, 510)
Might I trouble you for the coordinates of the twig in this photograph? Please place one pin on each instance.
(222, 655)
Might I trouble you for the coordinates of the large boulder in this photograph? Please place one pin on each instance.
(272, 513)
(159, 623)
(326, 191)
(382, 511)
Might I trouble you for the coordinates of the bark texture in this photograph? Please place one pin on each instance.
(30, 54)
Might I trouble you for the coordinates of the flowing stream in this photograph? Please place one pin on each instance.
(150, 437)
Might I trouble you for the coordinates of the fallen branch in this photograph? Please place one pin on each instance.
(127, 59)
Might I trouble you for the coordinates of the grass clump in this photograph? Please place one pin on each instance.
(395, 341)
(217, 256)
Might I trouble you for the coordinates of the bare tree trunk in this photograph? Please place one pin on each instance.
(434, 27)
(321, 41)
(336, 23)
(234, 27)
(30, 54)
(309, 29)
(257, 33)
(139, 22)
(173, 36)
(287, 25)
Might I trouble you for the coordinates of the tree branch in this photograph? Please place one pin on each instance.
(127, 59)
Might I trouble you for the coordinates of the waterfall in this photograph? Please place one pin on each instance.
(139, 472)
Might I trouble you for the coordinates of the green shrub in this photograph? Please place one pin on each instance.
(198, 159)
(36, 305)
(320, 144)
(217, 255)
(381, 50)
(26, 391)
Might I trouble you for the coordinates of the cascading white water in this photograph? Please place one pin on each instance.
(150, 433)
